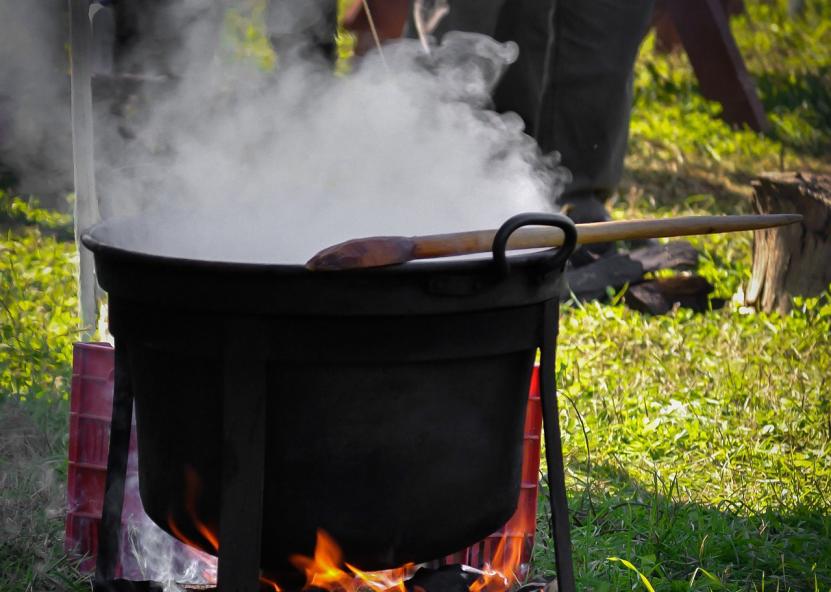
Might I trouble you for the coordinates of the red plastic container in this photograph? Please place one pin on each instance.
(90, 415)
(520, 529)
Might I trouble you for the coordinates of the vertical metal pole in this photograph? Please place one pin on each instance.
(86, 201)
(243, 459)
(553, 448)
(109, 530)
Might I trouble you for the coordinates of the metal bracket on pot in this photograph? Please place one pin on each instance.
(553, 263)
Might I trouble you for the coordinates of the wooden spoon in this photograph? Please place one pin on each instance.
(379, 251)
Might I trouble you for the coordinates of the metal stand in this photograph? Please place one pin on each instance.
(243, 467)
(243, 460)
(109, 529)
(553, 448)
(243, 445)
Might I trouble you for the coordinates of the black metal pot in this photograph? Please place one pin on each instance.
(392, 399)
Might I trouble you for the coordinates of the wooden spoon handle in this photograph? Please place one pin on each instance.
(461, 243)
(392, 250)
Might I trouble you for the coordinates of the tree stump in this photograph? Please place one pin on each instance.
(792, 260)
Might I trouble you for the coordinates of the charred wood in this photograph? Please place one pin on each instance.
(659, 296)
(591, 281)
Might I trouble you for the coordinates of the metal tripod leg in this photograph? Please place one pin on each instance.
(553, 448)
(243, 460)
(109, 530)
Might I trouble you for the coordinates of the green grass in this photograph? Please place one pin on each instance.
(698, 442)
(33, 502)
(697, 445)
(37, 327)
(678, 145)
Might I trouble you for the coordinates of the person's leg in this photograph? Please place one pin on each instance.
(584, 92)
(572, 83)
(474, 16)
(576, 96)
(526, 22)
(505, 20)
(587, 99)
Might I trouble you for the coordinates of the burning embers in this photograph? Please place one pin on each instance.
(327, 571)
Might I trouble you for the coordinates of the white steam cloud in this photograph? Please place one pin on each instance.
(149, 553)
(35, 136)
(274, 168)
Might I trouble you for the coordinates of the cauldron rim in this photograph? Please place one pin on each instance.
(468, 264)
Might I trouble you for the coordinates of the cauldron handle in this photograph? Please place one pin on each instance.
(557, 260)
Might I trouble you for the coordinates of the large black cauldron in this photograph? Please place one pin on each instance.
(386, 406)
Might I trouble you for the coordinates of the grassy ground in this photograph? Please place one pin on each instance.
(698, 442)
(678, 145)
(697, 445)
(37, 320)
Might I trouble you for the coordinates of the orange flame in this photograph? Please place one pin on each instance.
(327, 570)
(179, 534)
(391, 580)
(504, 567)
(270, 582)
(323, 570)
(192, 488)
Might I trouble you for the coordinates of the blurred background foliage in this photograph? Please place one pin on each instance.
(679, 146)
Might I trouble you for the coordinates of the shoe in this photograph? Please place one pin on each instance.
(584, 209)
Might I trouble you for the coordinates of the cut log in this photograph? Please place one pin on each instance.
(791, 260)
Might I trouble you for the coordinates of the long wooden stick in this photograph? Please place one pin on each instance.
(393, 250)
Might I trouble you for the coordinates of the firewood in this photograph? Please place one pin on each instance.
(659, 296)
(591, 281)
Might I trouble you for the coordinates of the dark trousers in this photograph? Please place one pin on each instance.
(572, 83)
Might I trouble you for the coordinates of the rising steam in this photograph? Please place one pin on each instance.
(242, 165)
(272, 168)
